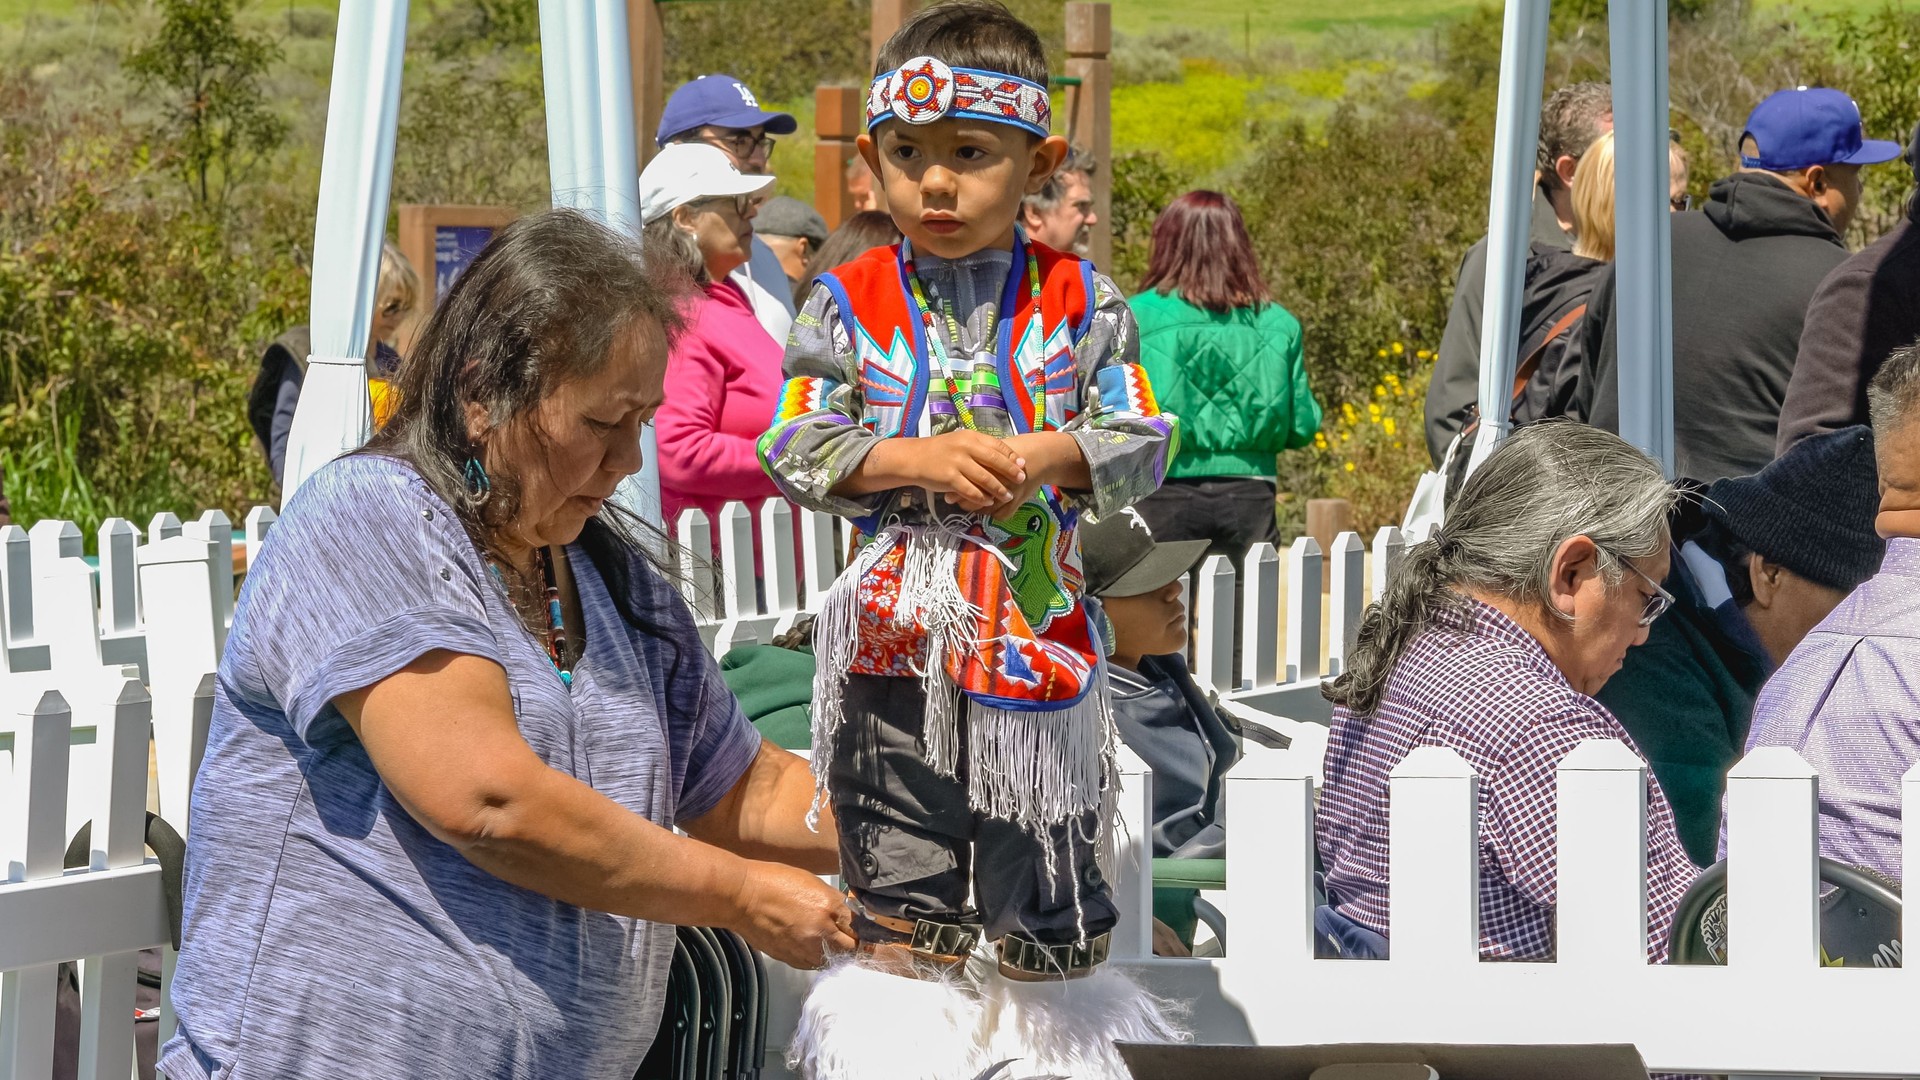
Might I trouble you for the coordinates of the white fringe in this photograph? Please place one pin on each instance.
(859, 1023)
(1032, 768)
(1068, 1027)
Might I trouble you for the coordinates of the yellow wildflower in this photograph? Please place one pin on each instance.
(1398, 348)
(1423, 355)
(1387, 424)
(1379, 390)
(1349, 466)
(1383, 354)
(1373, 410)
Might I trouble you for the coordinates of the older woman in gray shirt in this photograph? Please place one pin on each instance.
(459, 715)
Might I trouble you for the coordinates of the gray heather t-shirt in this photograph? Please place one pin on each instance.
(327, 933)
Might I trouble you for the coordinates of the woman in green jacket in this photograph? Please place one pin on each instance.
(1224, 358)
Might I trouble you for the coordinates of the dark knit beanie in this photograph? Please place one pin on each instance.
(1811, 510)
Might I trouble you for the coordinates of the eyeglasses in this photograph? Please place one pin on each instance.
(1681, 203)
(743, 205)
(740, 142)
(1658, 603)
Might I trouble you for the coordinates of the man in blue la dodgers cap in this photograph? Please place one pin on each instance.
(1862, 313)
(720, 111)
(1744, 269)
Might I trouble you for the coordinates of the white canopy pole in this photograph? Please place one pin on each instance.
(1523, 62)
(1643, 240)
(591, 158)
(356, 170)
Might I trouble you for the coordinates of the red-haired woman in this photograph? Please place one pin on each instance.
(1226, 359)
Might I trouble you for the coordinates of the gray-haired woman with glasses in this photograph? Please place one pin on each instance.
(1491, 640)
(723, 377)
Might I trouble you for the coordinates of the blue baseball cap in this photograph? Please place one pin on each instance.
(1805, 126)
(720, 100)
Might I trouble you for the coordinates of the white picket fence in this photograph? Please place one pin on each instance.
(88, 658)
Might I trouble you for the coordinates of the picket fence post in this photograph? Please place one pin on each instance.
(1276, 791)
(1132, 862)
(1433, 911)
(119, 577)
(260, 521)
(694, 555)
(736, 561)
(118, 840)
(1213, 611)
(35, 838)
(1303, 609)
(185, 637)
(16, 586)
(216, 528)
(1348, 593)
(1260, 617)
(1389, 547)
(819, 553)
(1602, 827)
(1773, 908)
(776, 561)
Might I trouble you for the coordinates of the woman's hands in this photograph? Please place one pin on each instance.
(791, 915)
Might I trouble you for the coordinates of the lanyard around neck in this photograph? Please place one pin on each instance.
(938, 354)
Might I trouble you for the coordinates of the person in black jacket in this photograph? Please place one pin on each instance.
(1572, 118)
(1864, 310)
(1743, 272)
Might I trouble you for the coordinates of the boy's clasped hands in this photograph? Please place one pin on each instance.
(975, 472)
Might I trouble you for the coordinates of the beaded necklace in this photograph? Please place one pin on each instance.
(556, 624)
(936, 342)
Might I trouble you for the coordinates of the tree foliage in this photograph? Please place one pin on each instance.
(216, 125)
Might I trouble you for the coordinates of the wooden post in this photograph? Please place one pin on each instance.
(1090, 125)
(888, 15)
(1327, 519)
(837, 113)
(647, 44)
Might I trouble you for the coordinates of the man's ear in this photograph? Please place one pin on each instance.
(1048, 153)
(1817, 180)
(1564, 167)
(1764, 577)
(869, 153)
(1576, 560)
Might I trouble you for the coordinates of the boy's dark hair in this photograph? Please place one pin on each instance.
(968, 33)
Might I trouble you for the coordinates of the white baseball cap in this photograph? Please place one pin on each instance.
(684, 172)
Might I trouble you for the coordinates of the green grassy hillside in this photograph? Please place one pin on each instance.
(1268, 19)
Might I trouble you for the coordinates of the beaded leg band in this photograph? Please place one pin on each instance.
(1029, 961)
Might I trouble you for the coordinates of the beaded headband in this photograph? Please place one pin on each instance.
(925, 89)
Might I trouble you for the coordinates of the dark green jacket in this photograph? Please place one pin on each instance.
(1235, 379)
(775, 688)
(1686, 697)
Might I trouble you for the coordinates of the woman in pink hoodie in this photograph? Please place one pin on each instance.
(723, 375)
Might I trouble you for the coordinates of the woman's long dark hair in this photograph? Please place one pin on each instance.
(1201, 249)
(542, 305)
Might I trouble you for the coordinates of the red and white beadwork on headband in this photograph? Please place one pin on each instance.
(925, 89)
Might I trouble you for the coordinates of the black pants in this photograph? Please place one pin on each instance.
(911, 847)
(1232, 513)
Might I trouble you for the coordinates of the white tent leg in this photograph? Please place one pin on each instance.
(590, 149)
(1523, 61)
(1643, 241)
(356, 171)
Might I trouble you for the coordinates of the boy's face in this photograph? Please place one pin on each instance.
(954, 186)
(1151, 624)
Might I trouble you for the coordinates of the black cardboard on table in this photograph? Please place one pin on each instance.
(1452, 1062)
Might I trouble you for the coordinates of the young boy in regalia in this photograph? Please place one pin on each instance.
(965, 397)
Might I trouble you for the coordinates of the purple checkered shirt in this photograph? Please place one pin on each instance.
(1477, 683)
(1848, 700)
